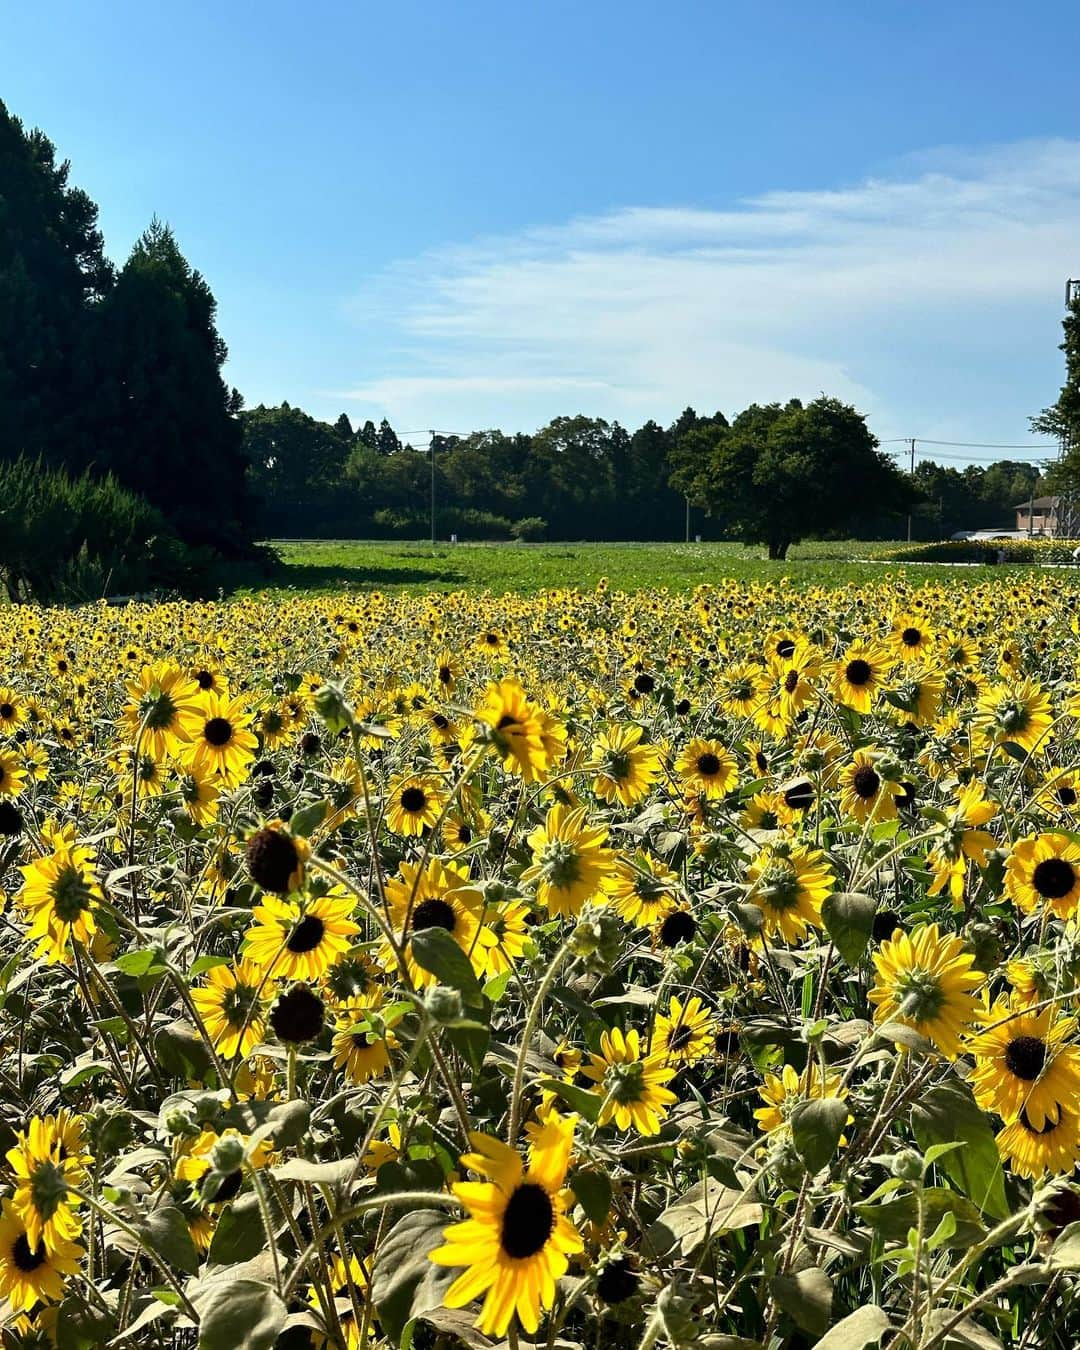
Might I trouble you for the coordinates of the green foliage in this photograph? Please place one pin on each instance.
(779, 474)
(112, 373)
(72, 539)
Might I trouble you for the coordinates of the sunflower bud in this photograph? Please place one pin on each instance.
(227, 1154)
(443, 1005)
(907, 1165)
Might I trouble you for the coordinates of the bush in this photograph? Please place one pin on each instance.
(74, 539)
(529, 529)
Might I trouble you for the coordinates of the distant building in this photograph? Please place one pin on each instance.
(1043, 516)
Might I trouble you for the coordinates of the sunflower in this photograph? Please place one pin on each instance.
(740, 689)
(12, 710)
(439, 896)
(685, 1033)
(197, 1158)
(570, 861)
(164, 709)
(1017, 712)
(222, 740)
(857, 678)
(964, 840)
(761, 812)
(1059, 796)
(447, 672)
(630, 1084)
(1044, 869)
(1024, 1062)
(782, 1092)
(413, 804)
(625, 769)
(926, 981)
(59, 891)
(347, 1281)
(1031, 1152)
(507, 922)
(294, 943)
(232, 1008)
(788, 882)
(381, 1151)
(915, 694)
(12, 774)
(865, 793)
(707, 768)
(199, 792)
(674, 925)
(31, 1274)
(517, 1240)
(640, 888)
(911, 638)
(358, 1048)
(274, 725)
(48, 1159)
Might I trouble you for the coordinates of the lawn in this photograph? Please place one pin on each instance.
(328, 565)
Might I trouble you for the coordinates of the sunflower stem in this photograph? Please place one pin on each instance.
(526, 1038)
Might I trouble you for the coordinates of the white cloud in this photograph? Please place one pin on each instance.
(930, 298)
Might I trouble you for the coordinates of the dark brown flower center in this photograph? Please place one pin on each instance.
(307, 935)
(25, 1259)
(858, 672)
(527, 1221)
(218, 731)
(791, 681)
(911, 637)
(413, 799)
(865, 781)
(1025, 1057)
(1053, 878)
(434, 913)
(644, 683)
(681, 1037)
(708, 764)
(1065, 795)
(677, 927)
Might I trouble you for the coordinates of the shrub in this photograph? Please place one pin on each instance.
(529, 529)
(72, 539)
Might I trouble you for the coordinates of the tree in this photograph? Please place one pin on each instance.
(780, 474)
(296, 465)
(343, 427)
(387, 442)
(52, 270)
(1062, 420)
(163, 419)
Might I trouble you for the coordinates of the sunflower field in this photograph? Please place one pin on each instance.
(585, 969)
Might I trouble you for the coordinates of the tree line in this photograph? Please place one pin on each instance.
(114, 410)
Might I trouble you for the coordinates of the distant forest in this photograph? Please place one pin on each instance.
(576, 478)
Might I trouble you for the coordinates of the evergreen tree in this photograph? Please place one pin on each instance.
(386, 441)
(52, 269)
(164, 421)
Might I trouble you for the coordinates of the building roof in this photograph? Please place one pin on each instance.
(1039, 501)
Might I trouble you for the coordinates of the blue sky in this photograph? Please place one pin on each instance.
(466, 215)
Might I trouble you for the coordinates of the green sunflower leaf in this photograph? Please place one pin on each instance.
(816, 1127)
(947, 1114)
(438, 953)
(849, 921)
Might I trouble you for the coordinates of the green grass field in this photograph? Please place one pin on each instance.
(332, 565)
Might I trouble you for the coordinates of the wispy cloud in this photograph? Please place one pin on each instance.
(929, 297)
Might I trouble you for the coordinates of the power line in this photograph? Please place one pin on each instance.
(992, 445)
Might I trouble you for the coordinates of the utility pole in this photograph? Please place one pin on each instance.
(431, 456)
(688, 520)
(913, 475)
